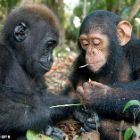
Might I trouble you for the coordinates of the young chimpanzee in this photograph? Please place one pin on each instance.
(110, 56)
(30, 34)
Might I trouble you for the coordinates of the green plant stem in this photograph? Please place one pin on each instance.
(65, 105)
(134, 117)
(96, 123)
(137, 111)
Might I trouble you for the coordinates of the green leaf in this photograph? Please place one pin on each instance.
(128, 133)
(31, 135)
(89, 80)
(137, 131)
(79, 139)
(132, 102)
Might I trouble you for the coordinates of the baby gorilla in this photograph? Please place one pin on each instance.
(30, 34)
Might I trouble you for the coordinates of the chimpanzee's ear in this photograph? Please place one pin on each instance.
(124, 30)
(20, 32)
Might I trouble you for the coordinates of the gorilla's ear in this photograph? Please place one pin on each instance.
(20, 32)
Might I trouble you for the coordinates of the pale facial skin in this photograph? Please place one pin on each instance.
(96, 47)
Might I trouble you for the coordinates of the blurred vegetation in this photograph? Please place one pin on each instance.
(72, 16)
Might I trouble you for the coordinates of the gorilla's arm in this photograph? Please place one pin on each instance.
(29, 111)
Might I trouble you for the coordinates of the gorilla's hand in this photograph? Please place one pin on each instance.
(88, 117)
(91, 124)
(54, 133)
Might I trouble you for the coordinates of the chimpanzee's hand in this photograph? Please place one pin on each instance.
(88, 117)
(90, 94)
(54, 133)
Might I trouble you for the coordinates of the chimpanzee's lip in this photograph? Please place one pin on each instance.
(94, 64)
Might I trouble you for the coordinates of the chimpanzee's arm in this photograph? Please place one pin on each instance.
(109, 100)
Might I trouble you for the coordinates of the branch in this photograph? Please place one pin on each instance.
(84, 8)
(134, 11)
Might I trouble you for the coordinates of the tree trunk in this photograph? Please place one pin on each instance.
(134, 11)
(57, 6)
(84, 9)
(118, 8)
(62, 19)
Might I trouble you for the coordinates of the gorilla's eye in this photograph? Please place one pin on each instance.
(51, 43)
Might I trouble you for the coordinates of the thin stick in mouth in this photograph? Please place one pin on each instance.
(83, 66)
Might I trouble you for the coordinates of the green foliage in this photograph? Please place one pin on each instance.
(137, 131)
(121, 8)
(61, 52)
(129, 131)
(130, 103)
(79, 138)
(31, 135)
(7, 5)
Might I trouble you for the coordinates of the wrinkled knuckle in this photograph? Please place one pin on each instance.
(86, 85)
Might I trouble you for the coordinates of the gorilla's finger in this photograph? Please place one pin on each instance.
(87, 128)
(56, 138)
(85, 109)
(58, 130)
(57, 133)
(93, 120)
(82, 129)
(59, 136)
(48, 130)
(91, 125)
